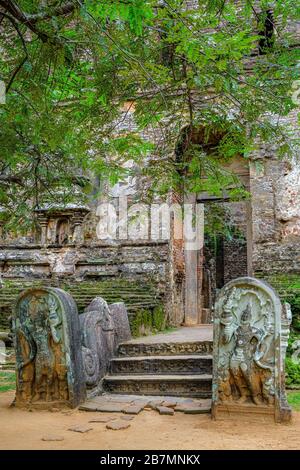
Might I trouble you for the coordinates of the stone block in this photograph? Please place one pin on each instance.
(164, 410)
(118, 425)
(133, 409)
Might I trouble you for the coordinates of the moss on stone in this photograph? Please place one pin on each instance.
(146, 322)
(142, 298)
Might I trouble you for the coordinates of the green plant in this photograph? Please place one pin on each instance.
(294, 400)
(292, 372)
(7, 381)
(159, 318)
(146, 322)
(72, 69)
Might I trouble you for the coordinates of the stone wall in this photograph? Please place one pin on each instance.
(275, 199)
(136, 274)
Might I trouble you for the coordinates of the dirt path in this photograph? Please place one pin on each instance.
(24, 430)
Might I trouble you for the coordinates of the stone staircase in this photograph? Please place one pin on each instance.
(168, 365)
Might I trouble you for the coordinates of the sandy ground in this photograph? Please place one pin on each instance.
(149, 430)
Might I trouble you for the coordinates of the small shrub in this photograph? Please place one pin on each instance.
(292, 372)
(146, 322)
(294, 400)
(7, 381)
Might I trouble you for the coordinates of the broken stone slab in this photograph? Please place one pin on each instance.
(142, 403)
(88, 407)
(127, 417)
(194, 410)
(133, 409)
(111, 408)
(164, 410)
(169, 403)
(154, 404)
(82, 428)
(103, 400)
(102, 419)
(118, 425)
(52, 438)
(182, 407)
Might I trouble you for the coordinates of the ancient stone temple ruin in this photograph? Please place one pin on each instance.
(66, 348)
(156, 276)
(159, 281)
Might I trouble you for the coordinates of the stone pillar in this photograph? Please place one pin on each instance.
(43, 221)
(192, 260)
(78, 232)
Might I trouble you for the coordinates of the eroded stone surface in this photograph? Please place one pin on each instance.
(82, 428)
(127, 417)
(164, 410)
(133, 409)
(121, 323)
(102, 327)
(102, 419)
(52, 438)
(118, 425)
(192, 410)
(169, 403)
(111, 407)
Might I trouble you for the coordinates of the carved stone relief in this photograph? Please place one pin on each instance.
(102, 328)
(48, 363)
(249, 349)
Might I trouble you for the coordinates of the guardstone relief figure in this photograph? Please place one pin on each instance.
(43, 350)
(250, 378)
(250, 337)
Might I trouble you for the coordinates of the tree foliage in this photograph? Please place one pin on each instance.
(71, 66)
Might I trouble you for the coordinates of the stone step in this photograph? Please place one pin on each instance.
(184, 364)
(176, 385)
(134, 349)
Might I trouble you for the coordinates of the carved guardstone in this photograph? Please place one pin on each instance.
(251, 329)
(97, 331)
(121, 322)
(49, 364)
(103, 327)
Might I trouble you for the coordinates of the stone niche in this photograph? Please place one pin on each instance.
(49, 365)
(251, 329)
(103, 328)
(61, 225)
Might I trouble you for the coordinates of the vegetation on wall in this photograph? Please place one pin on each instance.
(146, 322)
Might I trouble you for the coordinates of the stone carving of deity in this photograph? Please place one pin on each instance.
(249, 350)
(42, 348)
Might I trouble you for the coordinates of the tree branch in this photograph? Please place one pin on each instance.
(30, 20)
(11, 179)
